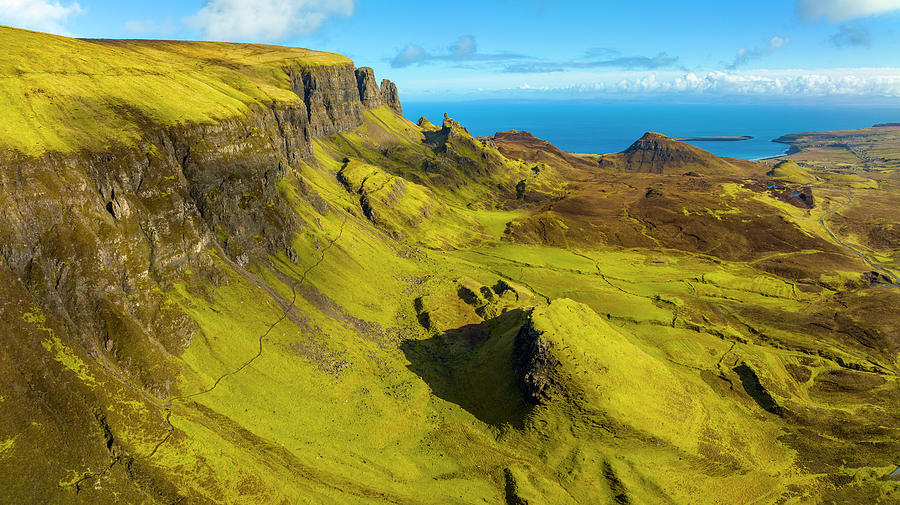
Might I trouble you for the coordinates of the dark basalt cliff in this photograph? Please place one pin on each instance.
(95, 236)
(534, 363)
(390, 96)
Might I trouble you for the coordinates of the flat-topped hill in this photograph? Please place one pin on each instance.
(64, 94)
(525, 146)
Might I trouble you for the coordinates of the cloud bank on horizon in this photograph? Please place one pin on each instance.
(841, 47)
(798, 83)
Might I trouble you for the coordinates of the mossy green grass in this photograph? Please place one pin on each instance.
(67, 95)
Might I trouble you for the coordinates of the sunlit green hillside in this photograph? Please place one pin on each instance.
(63, 94)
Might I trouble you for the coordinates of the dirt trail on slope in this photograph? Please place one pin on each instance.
(284, 315)
(286, 306)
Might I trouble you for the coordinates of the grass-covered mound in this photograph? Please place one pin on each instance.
(401, 207)
(789, 171)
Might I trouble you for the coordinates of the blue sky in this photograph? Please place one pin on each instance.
(826, 50)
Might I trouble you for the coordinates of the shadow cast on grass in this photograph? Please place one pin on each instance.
(472, 367)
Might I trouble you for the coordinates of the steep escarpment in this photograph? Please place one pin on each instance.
(137, 215)
(157, 249)
(99, 227)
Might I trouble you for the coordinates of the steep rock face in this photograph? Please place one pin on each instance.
(332, 99)
(369, 93)
(390, 96)
(96, 237)
(96, 268)
(534, 362)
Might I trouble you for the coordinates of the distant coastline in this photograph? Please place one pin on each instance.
(720, 138)
(612, 127)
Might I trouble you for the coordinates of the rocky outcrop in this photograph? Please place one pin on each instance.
(369, 93)
(450, 123)
(449, 133)
(425, 124)
(390, 96)
(534, 363)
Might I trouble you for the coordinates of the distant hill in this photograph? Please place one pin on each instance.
(787, 170)
(656, 153)
(526, 147)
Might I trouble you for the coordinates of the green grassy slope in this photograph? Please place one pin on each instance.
(63, 94)
(791, 172)
(409, 347)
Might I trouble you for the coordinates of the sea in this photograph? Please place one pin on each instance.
(610, 127)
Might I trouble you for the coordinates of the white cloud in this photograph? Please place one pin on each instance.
(464, 50)
(40, 15)
(410, 55)
(268, 20)
(744, 55)
(463, 47)
(879, 82)
(843, 10)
